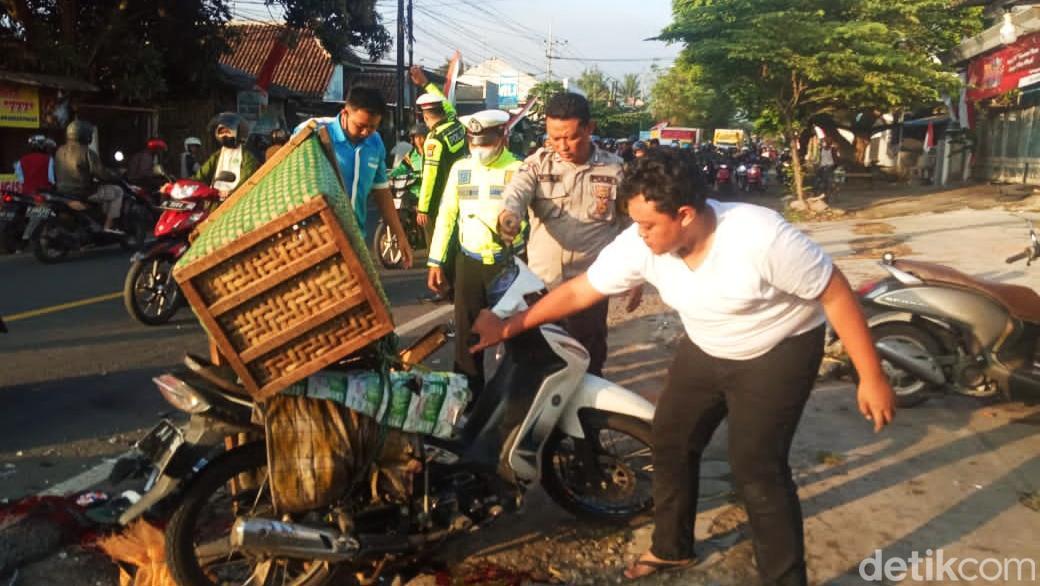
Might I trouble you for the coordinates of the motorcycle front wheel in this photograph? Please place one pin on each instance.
(50, 242)
(387, 247)
(150, 294)
(606, 476)
(198, 547)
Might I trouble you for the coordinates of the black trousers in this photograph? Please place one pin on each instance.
(762, 399)
(589, 327)
(472, 280)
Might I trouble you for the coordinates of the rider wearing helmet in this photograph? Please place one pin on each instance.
(191, 156)
(231, 132)
(412, 163)
(639, 149)
(141, 167)
(35, 170)
(77, 167)
(279, 136)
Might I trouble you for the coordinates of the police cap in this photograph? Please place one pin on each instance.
(484, 120)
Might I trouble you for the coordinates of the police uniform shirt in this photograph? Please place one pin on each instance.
(572, 207)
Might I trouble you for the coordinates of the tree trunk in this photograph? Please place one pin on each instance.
(68, 11)
(797, 174)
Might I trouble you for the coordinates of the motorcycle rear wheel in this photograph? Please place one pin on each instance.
(624, 468)
(46, 242)
(910, 391)
(226, 566)
(147, 293)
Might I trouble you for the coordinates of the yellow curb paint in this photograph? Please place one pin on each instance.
(62, 307)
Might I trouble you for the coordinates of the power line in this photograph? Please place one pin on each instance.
(634, 59)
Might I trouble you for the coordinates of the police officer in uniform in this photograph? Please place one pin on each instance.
(471, 206)
(568, 193)
(445, 144)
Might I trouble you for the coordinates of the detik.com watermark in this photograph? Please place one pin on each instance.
(934, 565)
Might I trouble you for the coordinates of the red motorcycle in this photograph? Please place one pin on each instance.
(723, 177)
(754, 178)
(150, 294)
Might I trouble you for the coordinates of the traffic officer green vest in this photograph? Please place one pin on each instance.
(473, 198)
(445, 144)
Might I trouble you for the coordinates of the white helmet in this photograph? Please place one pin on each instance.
(192, 141)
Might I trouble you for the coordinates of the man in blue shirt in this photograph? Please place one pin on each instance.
(362, 160)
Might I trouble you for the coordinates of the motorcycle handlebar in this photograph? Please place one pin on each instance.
(1017, 257)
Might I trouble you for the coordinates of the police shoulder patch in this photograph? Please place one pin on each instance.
(465, 176)
(431, 148)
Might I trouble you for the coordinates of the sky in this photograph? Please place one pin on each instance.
(517, 31)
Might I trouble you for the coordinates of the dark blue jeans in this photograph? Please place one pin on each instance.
(762, 399)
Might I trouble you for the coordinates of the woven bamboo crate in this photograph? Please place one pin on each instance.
(281, 278)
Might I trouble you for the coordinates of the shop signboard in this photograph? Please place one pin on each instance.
(1015, 66)
(19, 106)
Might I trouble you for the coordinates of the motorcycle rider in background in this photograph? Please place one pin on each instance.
(77, 166)
(413, 161)
(141, 167)
(35, 170)
(279, 136)
(231, 131)
(190, 157)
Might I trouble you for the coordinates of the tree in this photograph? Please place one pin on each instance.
(142, 50)
(630, 92)
(595, 86)
(683, 98)
(542, 91)
(786, 62)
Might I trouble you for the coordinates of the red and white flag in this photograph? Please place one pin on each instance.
(929, 138)
(452, 76)
(513, 120)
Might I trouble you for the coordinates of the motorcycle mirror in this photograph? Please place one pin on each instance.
(226, 176)
(118, 156)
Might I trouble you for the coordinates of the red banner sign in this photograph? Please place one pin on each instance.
(1014, 66)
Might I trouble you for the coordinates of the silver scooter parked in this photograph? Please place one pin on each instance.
(938, 329)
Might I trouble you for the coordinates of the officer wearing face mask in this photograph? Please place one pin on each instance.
(231, 131)
(473, 201)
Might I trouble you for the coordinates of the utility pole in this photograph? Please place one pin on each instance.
(550, 46)
(411, 35)
(399, 112)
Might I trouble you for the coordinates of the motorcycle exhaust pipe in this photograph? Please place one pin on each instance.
(911, 359)
(291, 540)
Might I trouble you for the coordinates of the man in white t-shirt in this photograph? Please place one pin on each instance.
(753, 293)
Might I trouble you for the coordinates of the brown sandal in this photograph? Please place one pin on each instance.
(654, 567)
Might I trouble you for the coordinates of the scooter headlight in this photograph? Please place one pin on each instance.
(183, 191)
(180, 394)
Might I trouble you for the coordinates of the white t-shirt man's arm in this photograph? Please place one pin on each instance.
(620, 266)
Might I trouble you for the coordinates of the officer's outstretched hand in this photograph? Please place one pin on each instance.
(418, 76)
(489, 329)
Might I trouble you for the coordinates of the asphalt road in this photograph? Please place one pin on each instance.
(75, 381)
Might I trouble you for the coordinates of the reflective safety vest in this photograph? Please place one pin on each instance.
(445, 144)
(473, 200)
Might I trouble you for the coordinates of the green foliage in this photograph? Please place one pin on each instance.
(142, 50)
(682, 97)
(543, 90)
(340, 24)
(785, 62)
(630, 91)
(595, 85)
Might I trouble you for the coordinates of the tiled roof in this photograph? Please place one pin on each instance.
(306, 68)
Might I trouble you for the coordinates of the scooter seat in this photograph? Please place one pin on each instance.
(221, 377)
(1021, 302)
